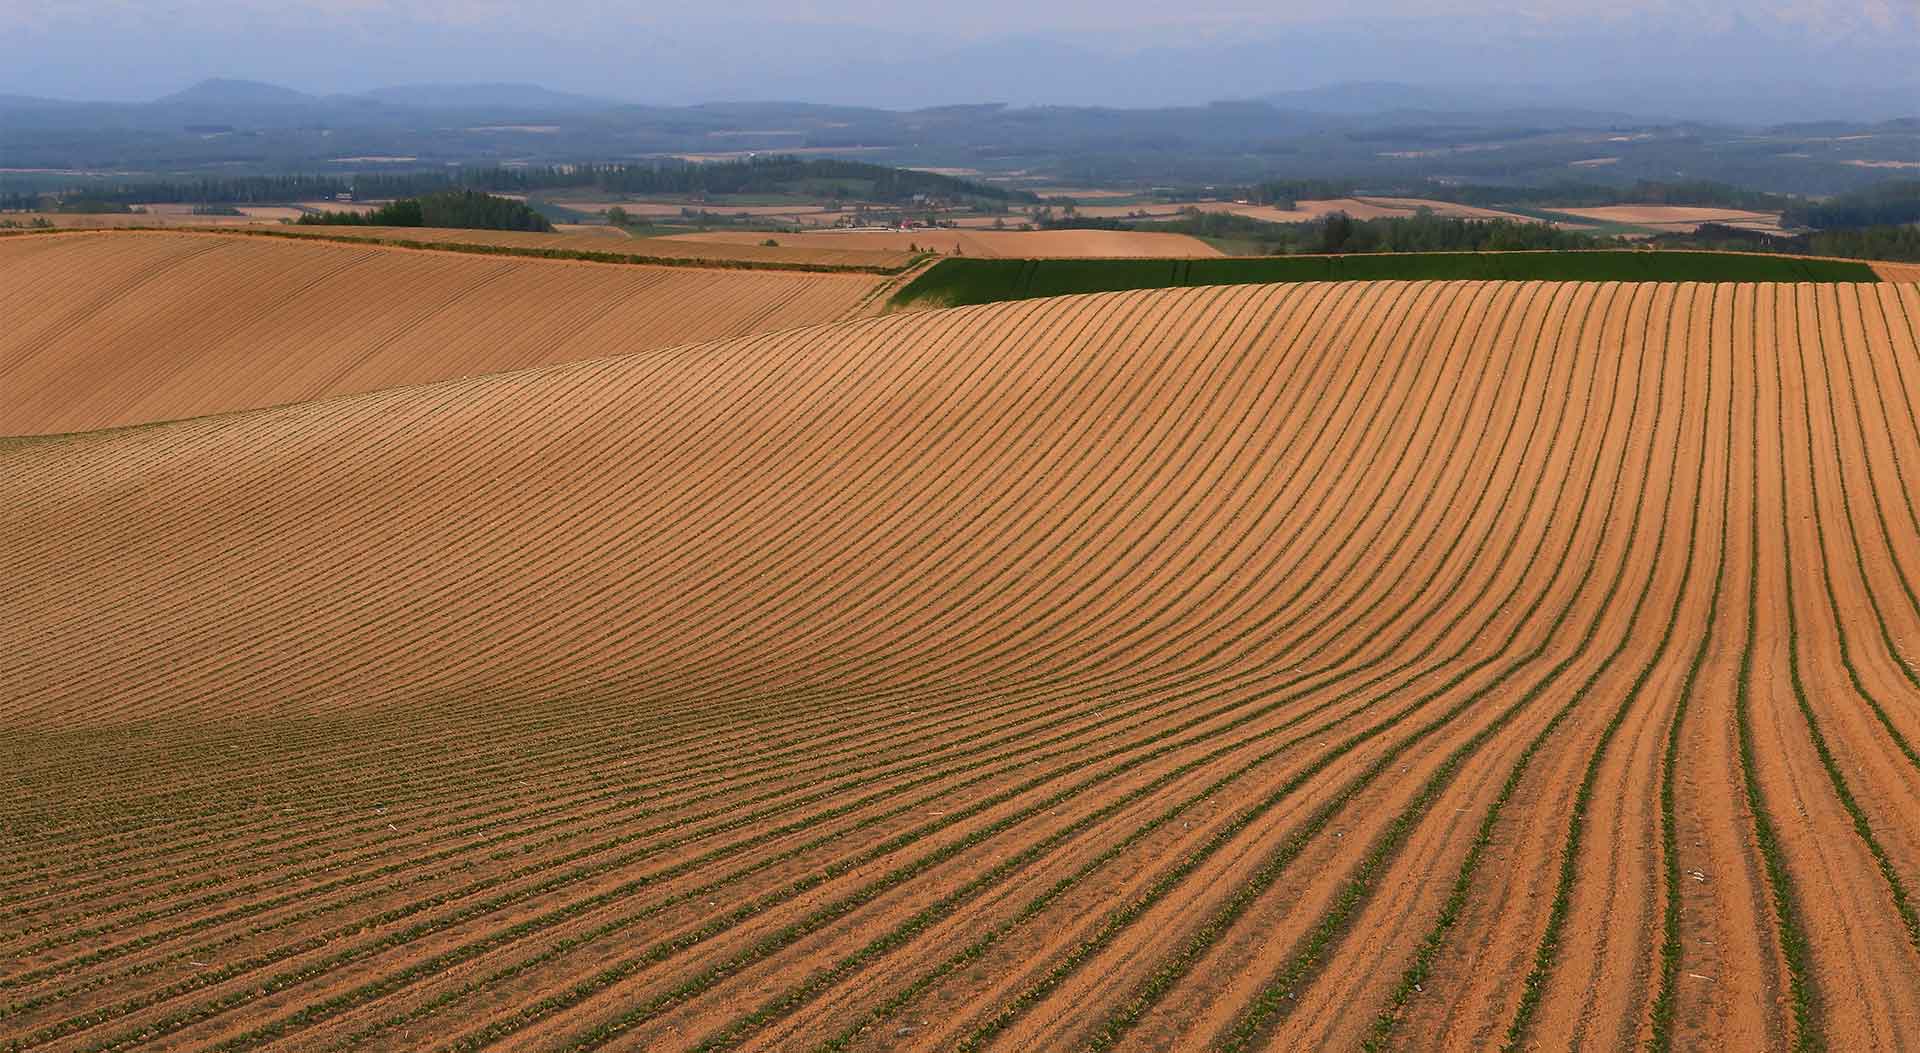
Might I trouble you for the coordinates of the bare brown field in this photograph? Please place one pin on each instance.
(746, 249)
(1680, 219)
(592, 230)
(1410, 665)
(357, 206)
(271, 213)
(798, 213)
(970, 242)
(113, 329)
(1452, 209)
(1309, 211)
(1079, 193)
(1897, 272)
(124, 220)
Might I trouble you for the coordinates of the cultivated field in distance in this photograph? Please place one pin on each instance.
(118, 328)
(967, 242)
(1305, 211)
(1426, 665)
(1676, 218)
(745, 248)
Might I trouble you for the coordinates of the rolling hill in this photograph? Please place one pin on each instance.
(745, 251)
(1266, 666)
(130, 327)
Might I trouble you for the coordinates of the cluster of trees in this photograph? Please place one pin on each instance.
(92, 205)
(1339, 234)
(465, 209)
(1863, 243)
(1889, 204)
(254, 190)
(758, 175)
(1426, 233)
(1868, 243)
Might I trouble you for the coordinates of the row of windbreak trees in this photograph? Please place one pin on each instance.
(1338, 233)
(1864, 243)
(1889, 204)
(464, 209)
(760, 175)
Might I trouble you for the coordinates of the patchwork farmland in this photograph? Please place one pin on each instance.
(1377, 664)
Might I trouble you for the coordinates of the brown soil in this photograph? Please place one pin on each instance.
(1138, 667)
(118, 329)
(972, 242)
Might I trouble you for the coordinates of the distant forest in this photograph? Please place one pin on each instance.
(760, 175)
(462, 209)
(1894, 243)
(1340, 234)
(1884, 205)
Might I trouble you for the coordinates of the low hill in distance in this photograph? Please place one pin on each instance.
(220, 91)
(481, 96)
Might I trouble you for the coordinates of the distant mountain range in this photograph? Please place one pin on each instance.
(1381, 132)
(1757, 64)
(1405, 103)
(224, 91)
(1597, 104)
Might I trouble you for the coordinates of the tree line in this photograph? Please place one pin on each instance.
(1888, 204)
(1338, 233)
(463, 209)
(1893, 243)
(758, 175)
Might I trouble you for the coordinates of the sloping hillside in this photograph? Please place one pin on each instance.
(1897, 272)
(746, 249)
(125, 328)
(1228, 668)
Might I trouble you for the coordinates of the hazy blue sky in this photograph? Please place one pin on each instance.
(883, 52)
(976, 16)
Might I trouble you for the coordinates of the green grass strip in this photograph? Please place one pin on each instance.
(966, 280)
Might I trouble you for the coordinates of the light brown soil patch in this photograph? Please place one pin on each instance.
(1678, 218)
(129, 328)
(968, 242)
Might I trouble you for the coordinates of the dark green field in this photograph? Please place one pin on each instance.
(960, 281)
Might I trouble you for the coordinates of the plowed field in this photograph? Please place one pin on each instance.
(1432, 665)
(1062, 244)
(132, 327)
(745, 248)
